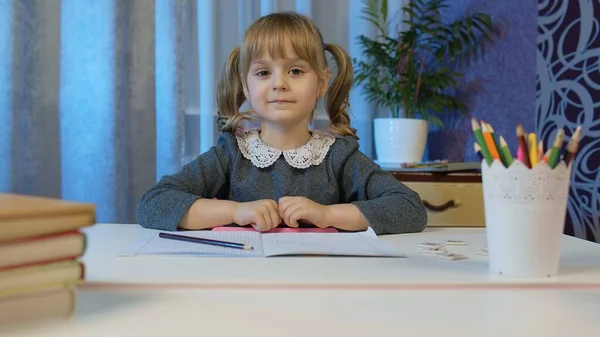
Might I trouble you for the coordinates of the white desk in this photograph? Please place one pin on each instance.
(266, 313)
(580, 264)
(290, 296)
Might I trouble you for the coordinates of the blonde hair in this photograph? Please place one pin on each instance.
(271, 33)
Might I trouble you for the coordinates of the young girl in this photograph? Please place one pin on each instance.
(283, 173)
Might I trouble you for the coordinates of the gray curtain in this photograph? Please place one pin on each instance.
(90, 99)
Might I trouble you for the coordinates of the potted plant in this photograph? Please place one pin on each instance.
(411, 73)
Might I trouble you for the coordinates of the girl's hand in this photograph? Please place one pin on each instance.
(294, 209)
(261, 214)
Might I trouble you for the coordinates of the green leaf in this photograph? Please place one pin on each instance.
(411, 12)
(427, 38)
(417, 4)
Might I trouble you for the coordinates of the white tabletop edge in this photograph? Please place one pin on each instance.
(580, 266)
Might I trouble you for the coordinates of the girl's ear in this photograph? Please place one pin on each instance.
(324, 82)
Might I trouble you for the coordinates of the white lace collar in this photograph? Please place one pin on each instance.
(262, 155)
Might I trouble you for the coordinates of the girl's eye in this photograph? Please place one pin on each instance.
(297, 71)
(262, 73)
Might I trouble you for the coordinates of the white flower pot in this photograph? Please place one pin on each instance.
(400, 140)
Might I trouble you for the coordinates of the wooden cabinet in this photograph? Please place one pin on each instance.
(452, 199)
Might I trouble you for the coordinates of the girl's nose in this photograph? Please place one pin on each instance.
(279, 83)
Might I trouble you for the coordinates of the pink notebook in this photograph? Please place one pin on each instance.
(276, 230)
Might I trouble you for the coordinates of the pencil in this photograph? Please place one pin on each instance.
(533, 150)
(479, 136)
(477, 149)
(205, 241)
(547, 155)
(522, 153)
(573, 146)
(556, 147)
(508, 159)
(495, 139)
(489, 141)
(493, 134)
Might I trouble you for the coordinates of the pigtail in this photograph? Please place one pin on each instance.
(339, 92)
(230, 94)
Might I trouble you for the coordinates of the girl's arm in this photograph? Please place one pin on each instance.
(388, 206)
(209, 213)
(168, 204)
(347, 217)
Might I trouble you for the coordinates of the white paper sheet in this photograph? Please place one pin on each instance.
(340, 244)
(151, 244)
(265, 245)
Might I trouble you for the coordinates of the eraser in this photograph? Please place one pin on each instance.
(433, 251)
(483, 251)
(455, 243)
(427, 245)
(451, 256)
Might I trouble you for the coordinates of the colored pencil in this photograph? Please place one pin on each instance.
(494, 137)
(490, 146)
(477, 149)
(573, 146)
(547, 155)
(556, 147)
(533, 150)
(205, 241)
(524, 153)
(479, 136)
(520, 155)
(508, 159)
(489, 141)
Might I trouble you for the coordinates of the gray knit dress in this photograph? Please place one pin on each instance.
(328, 170)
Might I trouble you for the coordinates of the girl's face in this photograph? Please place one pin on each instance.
(284, 91)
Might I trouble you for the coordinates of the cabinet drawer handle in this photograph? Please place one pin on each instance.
(442, 207)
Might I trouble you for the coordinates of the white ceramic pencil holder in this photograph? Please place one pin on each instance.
(525, 214)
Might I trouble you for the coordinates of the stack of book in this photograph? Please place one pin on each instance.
(40, 245)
